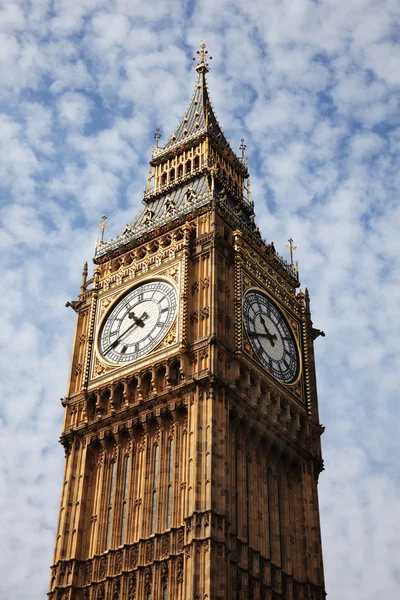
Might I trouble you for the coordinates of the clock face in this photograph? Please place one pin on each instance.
(270, 336)
(138, 322)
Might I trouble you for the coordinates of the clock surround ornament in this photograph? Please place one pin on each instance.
(270, 336)
(137, 322)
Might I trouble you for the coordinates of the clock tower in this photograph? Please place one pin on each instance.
(191, 428)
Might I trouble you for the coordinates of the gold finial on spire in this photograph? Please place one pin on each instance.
(291, 249)
(103, 225)
(202, 65)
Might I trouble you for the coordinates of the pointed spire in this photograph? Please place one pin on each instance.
(199, 120)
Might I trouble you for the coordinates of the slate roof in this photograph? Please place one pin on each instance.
(165, 208)
(199, 119)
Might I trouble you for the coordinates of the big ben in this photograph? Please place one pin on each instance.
(191, 428)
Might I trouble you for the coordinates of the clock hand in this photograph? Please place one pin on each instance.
(267, 335)
(137, 321)
(271, 336)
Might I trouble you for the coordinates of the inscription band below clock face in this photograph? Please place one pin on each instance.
(138, 322)
(270, 336)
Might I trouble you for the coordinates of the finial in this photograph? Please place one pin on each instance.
(157, 135)
(242, 147)
(291, 249)
(84, 277)
(103, 225)
(202, 65)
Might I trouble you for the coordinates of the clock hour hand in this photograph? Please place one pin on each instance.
(138, 320)
(271, 336)
(263, 335)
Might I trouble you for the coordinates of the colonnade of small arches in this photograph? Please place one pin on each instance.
(134, 389)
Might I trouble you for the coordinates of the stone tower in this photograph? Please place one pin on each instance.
(191, 427)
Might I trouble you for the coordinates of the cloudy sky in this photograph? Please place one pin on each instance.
(313, 87)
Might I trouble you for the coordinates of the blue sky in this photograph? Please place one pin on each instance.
(313, 87)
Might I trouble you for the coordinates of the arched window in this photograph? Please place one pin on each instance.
(146, 383)
(180, 170)
(172, 175)
(170, 479)
(133, 388)
(119, 395)
(174, 373)
(196, 163)
(110, 505)
(125, 498)
(164, 179)
(188, 167)
(154, 492)
(161, 378)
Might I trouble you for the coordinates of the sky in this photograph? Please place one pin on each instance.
(313, 87)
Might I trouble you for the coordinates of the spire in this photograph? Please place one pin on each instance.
(199, 120)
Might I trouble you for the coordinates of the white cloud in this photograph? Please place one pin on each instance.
(74, 110)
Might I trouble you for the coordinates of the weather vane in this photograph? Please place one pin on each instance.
(291, 249)
(103, 225)
(202, 64)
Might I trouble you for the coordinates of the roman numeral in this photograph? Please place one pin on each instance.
(124, 349)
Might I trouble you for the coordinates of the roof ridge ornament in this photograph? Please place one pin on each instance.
(202, 66)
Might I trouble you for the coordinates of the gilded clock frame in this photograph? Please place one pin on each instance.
(293, 313)
(113, 295)
(296, 335)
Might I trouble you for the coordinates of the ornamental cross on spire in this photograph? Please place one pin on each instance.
(291, 249)
(202, 65)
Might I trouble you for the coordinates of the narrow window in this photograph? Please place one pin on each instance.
(188, 167)
(196, 163)
(169, 491)
(165, 593)
(110, 502)
(180, 170)
(125, 500)
(154, 495)
(171, 175)
(163, 179)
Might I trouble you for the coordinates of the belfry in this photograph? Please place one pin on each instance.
(191, 428)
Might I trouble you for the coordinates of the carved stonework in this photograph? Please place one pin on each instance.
(103, 567)
(166, 545)
(134, 553)
(132, 587)
(118, 562)
(101, 368)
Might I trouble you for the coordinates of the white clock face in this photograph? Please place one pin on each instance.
(270, 336)
(138, 322)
